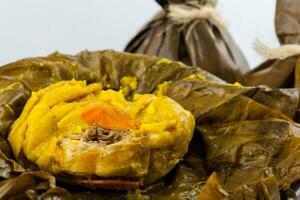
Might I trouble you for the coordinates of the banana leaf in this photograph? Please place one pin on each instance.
(165, 3)
(245, 145)
(281, 69)
(197, 41)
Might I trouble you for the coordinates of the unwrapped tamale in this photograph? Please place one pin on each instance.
(192, 32)
(245, 145)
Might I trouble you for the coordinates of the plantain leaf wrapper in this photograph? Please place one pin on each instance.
(245, 146)
(200, 41)
(281, 72)
(284, 71)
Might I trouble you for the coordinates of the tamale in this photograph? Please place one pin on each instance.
(259, 159)
(192, 32)
(281, 69)
(88, 132)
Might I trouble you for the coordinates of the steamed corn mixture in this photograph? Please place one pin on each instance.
(78, 129)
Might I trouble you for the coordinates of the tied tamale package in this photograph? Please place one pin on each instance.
(244, 145)
(282, 68)
(192, 32)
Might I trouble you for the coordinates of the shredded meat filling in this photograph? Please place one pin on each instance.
(103, 136)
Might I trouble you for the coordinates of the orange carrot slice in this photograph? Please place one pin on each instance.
(108, 117)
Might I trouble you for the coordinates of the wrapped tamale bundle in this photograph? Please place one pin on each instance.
(192, 32)
(281, 70)
(66, 119)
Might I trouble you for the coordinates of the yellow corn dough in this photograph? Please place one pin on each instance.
(50, 132)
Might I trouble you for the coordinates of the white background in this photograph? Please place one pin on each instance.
(39, 27)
